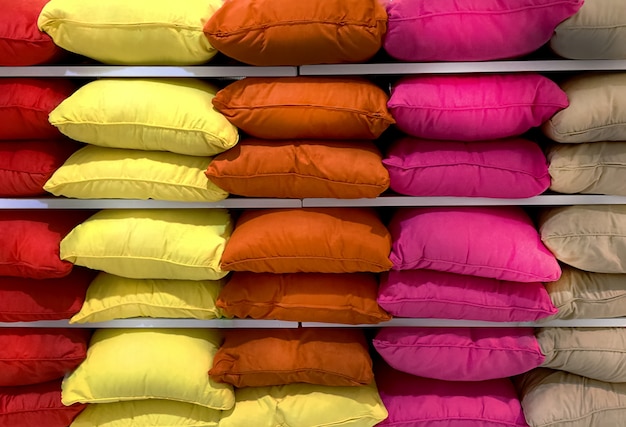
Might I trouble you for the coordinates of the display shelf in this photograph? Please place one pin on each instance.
(158, 323)
(62, 203)
(446, 323)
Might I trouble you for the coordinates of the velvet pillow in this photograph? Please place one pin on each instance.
(496, 242)
(36, 405)
(510, 168)
(597, 31)
(473, 107)
(32, 355)
(25, 104)
(21, 42)
(30, 300)
(267, 357)
(435, 294)
(281, 32)
(483, 30)
(300, 169)
(306, 107)
(420, 402)
(25, 166)
(460, 354)
(308, 240)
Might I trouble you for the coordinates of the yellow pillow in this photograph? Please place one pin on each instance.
(147, 413)
(138, 364)
(114, 173)
(138, 32)
(185, 244)
(147, 114)
(112, 297)
(306, 405)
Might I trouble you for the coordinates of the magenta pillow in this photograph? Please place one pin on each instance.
(476, 30)
(474, 107)
(460, 354)
(508, 168)
(500, 242)
(423, 402)
(435, 294)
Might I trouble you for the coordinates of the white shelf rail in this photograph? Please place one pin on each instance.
(147, 71)
(157, 323)
(62, 203)
(446, 323)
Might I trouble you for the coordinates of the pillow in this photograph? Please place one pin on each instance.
(435, 294)
(122, 242)
(147, 413)
(144, 32)
(114, 173)
(306, 405)
(473, 107)
(147, 114)
(426, 31)
(510, 168)
(25, 166)
(281, 32)
(112, 297)
(25, 104)
(308, 240)
(36, 406)
(596, 112)
(588, 237)
(306, 107)
(597, 31)
(31, 300)
(21, 42)
(348, 298)
(496, 242)
(300, 169)
(138, 364)
(459, 354)
(31, 355)
(266, 357)
(596, 353)
(582, 295)
(594, 168)
(419, 402)
(30, 242)
(560, 399)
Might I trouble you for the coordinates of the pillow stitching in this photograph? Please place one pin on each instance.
(343, 308)
(377, 115)
(213, 265)
(92, 312)
(591, 301)
(279, 257)
(484, 166)
(300, 175)
(273, 24)
(133, 397)
(143, 180)
(27, 172)
(43, 359)
(587, 415)
(573, 28)
(483, 12)
(56, 22)
(447, 417)
(20, 263)
(25, 107)
(37, 409)
(593, 234)
(449, 301)
(583, 131)
(240, 373)
(472, 108)
(574, 168)
(472, 346)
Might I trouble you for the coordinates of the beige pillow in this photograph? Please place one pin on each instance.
(596, 111)
(598, 353)
(582, 295)
(560, 399)
(598, 168)
(589, 237)
(597, 31)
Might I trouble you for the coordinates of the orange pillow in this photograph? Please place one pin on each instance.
(266, 357)
(348, 298)
(308, 240)
(287, 32)
(306, 107)
(299, 169)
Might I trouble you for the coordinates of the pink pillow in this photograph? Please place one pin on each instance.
(474, 107)
(509, 168)
(500, 242)
(460, 354)
(477, 30)
(435, 294)
(423, 402)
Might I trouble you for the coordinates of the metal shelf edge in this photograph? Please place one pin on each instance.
(446, 323)
(147, 71)
(157, 323)
(61, 203)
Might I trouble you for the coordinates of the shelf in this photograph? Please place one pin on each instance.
(447, 323)
(158, 323)
(141, 71)
(62, 203)
(394, 68)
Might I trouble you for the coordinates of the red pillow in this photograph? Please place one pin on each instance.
(36, 405)
(30, 300)
(25, 166)
(31, 239)
(35, 355)
(25, 105)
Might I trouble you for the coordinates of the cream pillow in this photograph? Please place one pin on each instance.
(184, 244)
(147, 114)
(138, 32)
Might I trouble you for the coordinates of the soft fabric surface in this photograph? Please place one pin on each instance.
(348, 298)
